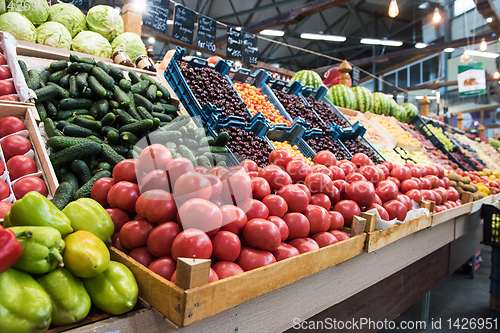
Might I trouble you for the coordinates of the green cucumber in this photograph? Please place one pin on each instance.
(75, 103)
(158, 108)
(33, 80)
(42, 112)
(216, 149)
(58, 66)
(222, 139)
(96, 86)
(159, 94)
(73, 88)
(57, 76)
(109, 155)
(44, 77)
(77, 67)
(61, 124)
(156, 124)
(151, 93)
(144, 102)
(148, 78)
(64, 82)
(92, 125)
(94, 112)
(113, 137)
(96, 139)
(139, 87)
(69, 154)
(161, 116)
(81, 170)
(63, 195)
(134, 77)
(144, 113)
(187, 153)
(133, 112)
(163, 136)
(104, 166)
(122, 116)
(130, 96)
(51, 109)
(138, 127)
(102, 107)
(50, 128)
(78, 131)
(85, 60)
(24, 69)
(84, 191)
(108, 119)
(61, 92)
(46, 93)
(177, 123)
(113, 104)
(64, 115)
(129, 138)
(103, 66)
(204, 161)
(116, 73)
(125, 84)
(170, 108)
(81, 81)
(61, 142)
(165, 93)
(120, 149)
(199, 133)
(87, 93)
(104, 78)
(120, 96)
(68, 176)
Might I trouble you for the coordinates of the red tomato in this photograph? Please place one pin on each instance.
(233, 218)
(306, 191)
(275, 204)
(432, 170)
(322, 169)
(319, 218)
(361, 192)
(428, 195)
(257, 210)
(348, 209)
(218, 171)
(225, 269)
(319, 183)
(2, 168)
(324, 239)
(394, 180)
(370, 173)
(10, 125)
(415, 195)
(201, 169)
(448, 205)
(439, 199)
(253, 174)
(298, 169)
(28, 184)
(440, 169)
(216, 185)
(322, 200)
(9, 98)
(126, 170)
(326, 158)
(249, 165)
(409, 184)
(361, 159)
(192, 185)
(236, 186)
(4, 190)
(118, 216)
(7, 88)
(20, 165)
(192, 242)
(123, 195)
(298, 225)
(160, 239)
(336, 220)
(280, 157)
(304, 244)
(135, 233)
(285, 251)
(337, 173)
(275, 176)
(443, 193)
(401, 173)
(385, 169)
(453, 194)
(405, 200)
(226, 246)
(354, 177)
(251, 258)
(154, 157)
(377, 200)
(396, 210)
(142, 256)
(100, 190)
(15, 145)
(115, 241)
(282, 226)
(2, 58)
(200, 214)
(164, 267)
(261, 188)
(415, 172)
(295, 198)
(347, 166)
(389, 165)
(262, 234)
(5, 207)
(4, 73)
(381, 211)
(340, 235)
(434, 180)
(341, 185)
(155, 180)
(426, 183)
(387, 190)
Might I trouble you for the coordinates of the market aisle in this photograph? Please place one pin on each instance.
(458, 296)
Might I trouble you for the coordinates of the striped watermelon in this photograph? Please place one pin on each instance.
(380, 103)
(411, 111)
(401, 114)
(343, 96)
(364, 98)
(308, 78)
(393, 107)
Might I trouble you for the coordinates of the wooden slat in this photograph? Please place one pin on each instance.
(476, 205)
(450, 214)
(465, 223)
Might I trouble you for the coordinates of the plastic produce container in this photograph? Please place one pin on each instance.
(293, 135)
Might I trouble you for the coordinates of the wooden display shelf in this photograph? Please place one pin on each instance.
(476, 205)
(450, 214)
(184, 307)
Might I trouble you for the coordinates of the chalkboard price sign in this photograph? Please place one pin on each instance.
(250, 49)
(155, 14)
(82, 4)
(184, 19)
(355, 76)
(206, 33)
(234, 48)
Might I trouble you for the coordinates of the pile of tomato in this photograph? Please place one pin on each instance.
(257, 102)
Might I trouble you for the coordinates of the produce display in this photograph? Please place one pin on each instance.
(308, 78)
(326, 112)
(417, 135)
(364, 98)
(370, 134)
(327, 143)
(7, 88)
(396, 131)
(418, 157)
(343, 96)
(438, 132)
(357, 146)
(292, 149)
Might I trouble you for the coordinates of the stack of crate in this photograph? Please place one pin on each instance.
(495, 279)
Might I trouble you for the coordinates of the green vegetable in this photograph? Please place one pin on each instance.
(203, 161)
(34, 11)
(18, 26)
(140, 87)
(63, 194)
(172, 109)
(67, 177)
(187, 153)
(138, 127)
(57, 66)
(87, 93)
(51, 109)
(176, 123)
(161, 116)
(116, 73)
(61, 92)
(129, 138)
(109, 155)
(143, 113)
(104, 166)
(42, 112)
(33, 80)
(92, 43)
(120, 96)
(151, 93)
(68, 15)
(54, 34)
(81, 81)
(104, 78)
(103, 66)
(73, 88)
(24, 69)
(69, 154)
(123, 116)
(61, 124)
(132, 111)
(64, 115)
(92, 125)
(105, 21)
(57, 76)
(44, 76)
(81, 170)
(86, 60)
(108, 119)
(148, 78)
(156, 124)
(46, 93)
(130, 43)
(216, 149)
(77, 67)
(87, 214)
(222, 139)
(144, 102)
(75, 103)
(125, 84)
(84, 191)
(96, 86)
(163, 90)
(134, 77)
(64, 82)
(123, 151)
(113, 137)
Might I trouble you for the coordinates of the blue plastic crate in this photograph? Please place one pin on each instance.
(358, 134)
(294, 135)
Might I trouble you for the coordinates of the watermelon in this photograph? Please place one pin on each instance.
(380, 103)
(401, 114)
(308, 78)
(343, 96)
(393, 107)
(411, 111)
(364, 98)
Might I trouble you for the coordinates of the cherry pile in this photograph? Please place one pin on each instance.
(209, 86)
(439, 158)
(327, 143)
(246, 145)
(460, 158)
(355, 146)
(326, 112)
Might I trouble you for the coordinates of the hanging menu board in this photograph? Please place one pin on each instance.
(234, 47)
(184, 19)
(155, 15)
(82, 4)
(206, 33)
(355, 76)
(250, 48)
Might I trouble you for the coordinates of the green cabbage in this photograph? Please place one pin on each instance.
(3, 6)
(37, 11)
(130, 43)
(70, 16)
(18, 26)
(92, 43)
(54, 34)
(105, 20)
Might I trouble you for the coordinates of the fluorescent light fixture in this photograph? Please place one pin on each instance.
(481, 54)
(170, 22)
(270, 32)
(385, 42)
(449, 49)
(330, 38)
(428, 97)
(420, 45)
(423, 5)
(151, 40)
(489, 20)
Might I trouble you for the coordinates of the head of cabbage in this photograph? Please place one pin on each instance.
(92, 43)
(105, 20)
(37, 11)
(18, 26)
(130, 43)
(54, 34)
(70, 16)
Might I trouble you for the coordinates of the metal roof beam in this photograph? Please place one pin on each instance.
(255, 9)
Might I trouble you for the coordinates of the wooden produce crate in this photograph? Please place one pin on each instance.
(184, 307)
(450, 214)
(476, 205)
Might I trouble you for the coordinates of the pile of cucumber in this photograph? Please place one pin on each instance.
(94, 115)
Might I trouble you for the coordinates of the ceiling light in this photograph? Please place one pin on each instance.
(483, 46)
(269, 32)
(238, 28)
(481, 54)
(139, 6)
(393, 9)
(385, 42)
(496, 76)
(449, 49)
(170, 22)
(420, 45)
(436, 18)
(151, 40)
(330, 38)
(489, 20)
(423, 5)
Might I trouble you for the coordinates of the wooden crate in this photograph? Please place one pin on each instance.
(450, 214)
(184, 307)
(476, 205)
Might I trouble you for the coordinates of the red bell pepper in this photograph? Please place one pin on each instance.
(10, 249)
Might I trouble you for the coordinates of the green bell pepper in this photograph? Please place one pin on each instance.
(115, 291)
(24, 305)
(87, 214)
(6, 220)
(36, 210)
(42, 251)
(70, 300)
